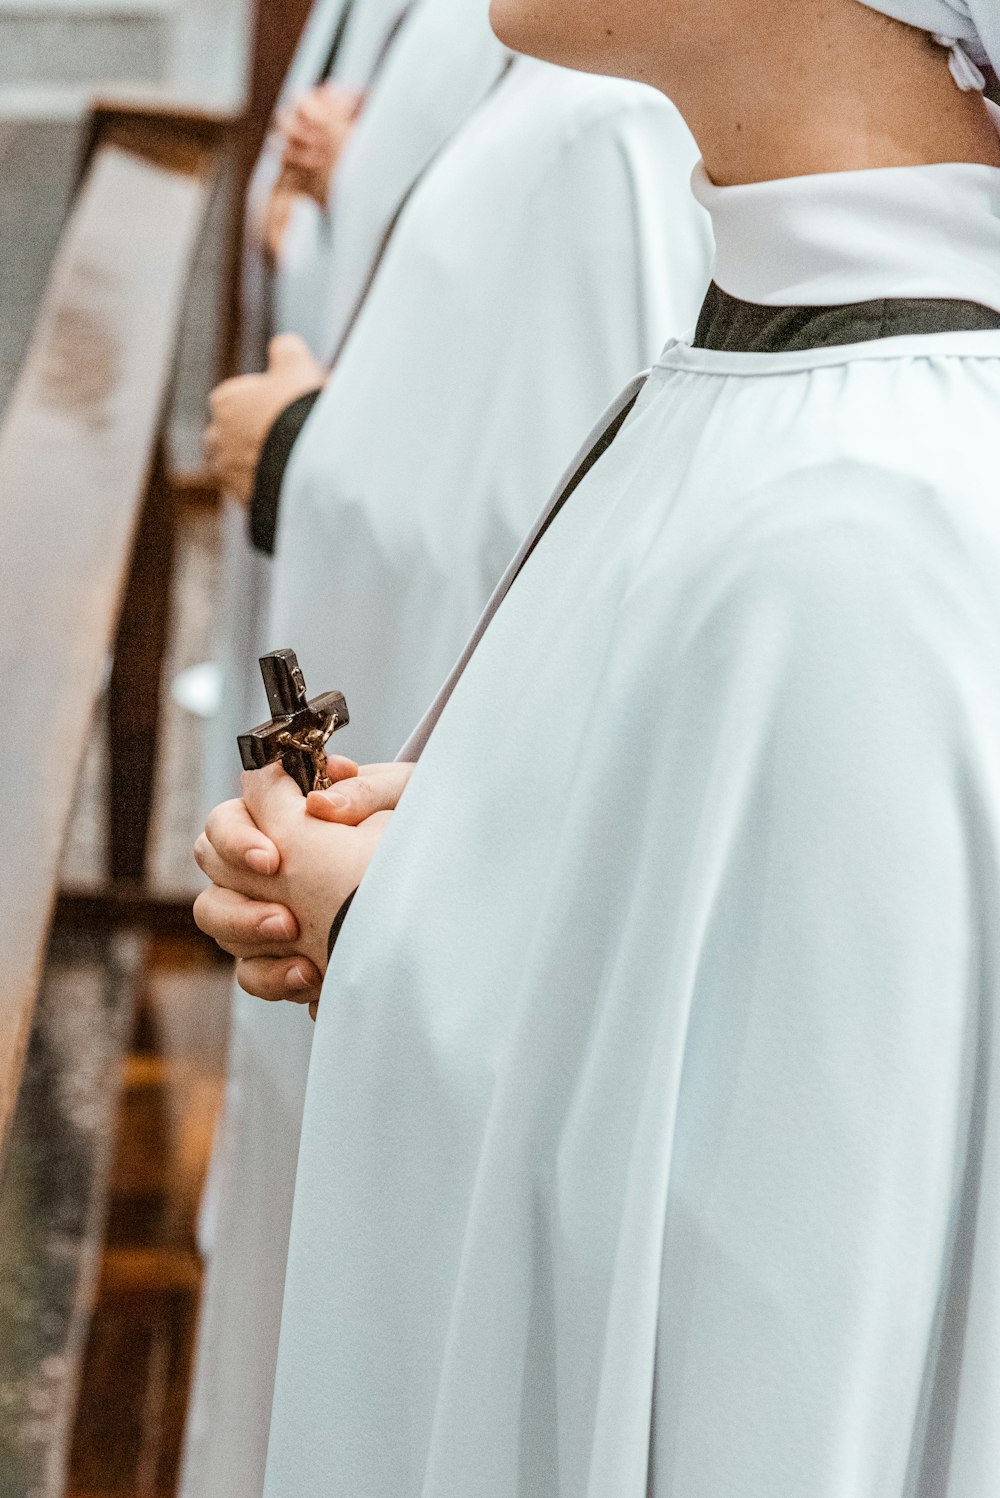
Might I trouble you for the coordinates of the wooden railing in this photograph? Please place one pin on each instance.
(83, 513)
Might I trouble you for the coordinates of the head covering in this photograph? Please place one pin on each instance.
(970, 29)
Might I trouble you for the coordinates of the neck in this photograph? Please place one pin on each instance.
(845, 89)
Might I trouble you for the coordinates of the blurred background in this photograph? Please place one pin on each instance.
(128, 129)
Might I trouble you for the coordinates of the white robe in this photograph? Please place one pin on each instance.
(291, 298)
(542, 260)
(652, 1139)
(226, 1435)
(444, 60)
(311, 263)
(443, 63)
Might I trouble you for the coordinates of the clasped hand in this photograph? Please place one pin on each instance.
(245, 408)
(282, 865)
(310, 136)
(316, 129)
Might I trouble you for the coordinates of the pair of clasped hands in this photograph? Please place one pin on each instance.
(309, 137)
(281, 865)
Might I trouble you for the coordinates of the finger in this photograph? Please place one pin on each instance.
(206, 858)
(314, 1010)
(243, 926)
(300, 147)
(339, 767)
(305, 157)
(305, 127)
(303, 164)
(354, 801)
(273, 800)
(314, 106)
(236, 838)
(294, 979)
(223, 393)
(287, 348)
(229, 875)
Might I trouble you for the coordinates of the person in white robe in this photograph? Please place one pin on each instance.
(287, 293)
(652, 1137)
(559, 192)
(544, 257)
(226, 1432)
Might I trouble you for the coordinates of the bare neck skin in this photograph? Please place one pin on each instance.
(865, 92)
(772, 88)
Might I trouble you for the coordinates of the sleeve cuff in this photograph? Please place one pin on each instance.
(338, 922)
(266, 498)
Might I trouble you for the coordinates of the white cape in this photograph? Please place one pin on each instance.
(540, 263)
(652, 1141)
(250, 1182)
(293, 298)
(442, 64)
(313, 259)
(563, 207)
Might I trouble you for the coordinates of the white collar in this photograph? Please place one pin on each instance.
(923, 231)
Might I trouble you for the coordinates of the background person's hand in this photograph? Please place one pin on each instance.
(316, 129)
(244, 410)
(277, 216)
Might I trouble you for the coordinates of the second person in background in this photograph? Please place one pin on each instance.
(518, 266)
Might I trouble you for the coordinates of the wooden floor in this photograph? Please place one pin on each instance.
(134, 1385)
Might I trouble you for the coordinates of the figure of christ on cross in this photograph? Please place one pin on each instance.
(298, 730)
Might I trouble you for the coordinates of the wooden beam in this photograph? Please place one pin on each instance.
(76, 451)
(278, 25)
(168, 135)
(134, 689)
(128, 907)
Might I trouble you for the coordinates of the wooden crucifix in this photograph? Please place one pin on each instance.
(298, 730)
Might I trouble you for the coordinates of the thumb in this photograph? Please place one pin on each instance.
(353, 801)
(339, 767)
(287, 349)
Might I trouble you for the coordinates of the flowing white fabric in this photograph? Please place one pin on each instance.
(652, 1141)
(483, 261)
(541, 261)
(308, 263)
(443, 62)
(247, 1205)
(292, 298)
(970, 29)
(419, 107)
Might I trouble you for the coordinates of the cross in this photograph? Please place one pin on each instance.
(298, 730)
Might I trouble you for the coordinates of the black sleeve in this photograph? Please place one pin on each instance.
(274, 456)
(338, 922)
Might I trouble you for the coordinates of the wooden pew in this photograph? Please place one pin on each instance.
(87, 513)
(79, 482)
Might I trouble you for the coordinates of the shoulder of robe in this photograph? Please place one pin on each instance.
(837, 649)
(849, 568)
